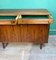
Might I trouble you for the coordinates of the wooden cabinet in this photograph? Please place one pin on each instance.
(25, 26)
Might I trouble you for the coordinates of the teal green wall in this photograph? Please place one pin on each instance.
(31, 4)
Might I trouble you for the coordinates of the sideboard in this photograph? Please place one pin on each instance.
(26, 25)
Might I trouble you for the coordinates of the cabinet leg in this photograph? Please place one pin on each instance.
(41, 46)
(4, 45)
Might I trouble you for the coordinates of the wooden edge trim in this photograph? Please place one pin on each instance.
(8, 22)
(33, 22)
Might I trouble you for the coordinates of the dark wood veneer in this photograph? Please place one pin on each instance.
(25, 29)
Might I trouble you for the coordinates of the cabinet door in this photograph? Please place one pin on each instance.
(38, 33)
(9, 33)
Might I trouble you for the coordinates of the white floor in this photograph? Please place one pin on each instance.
(29, 51)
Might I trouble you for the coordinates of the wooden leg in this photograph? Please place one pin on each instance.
(4, 45)
(41, 46)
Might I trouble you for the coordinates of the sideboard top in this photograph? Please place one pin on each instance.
(24, 12)
(24, 16)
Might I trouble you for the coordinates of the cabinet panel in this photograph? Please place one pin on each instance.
(9, 33)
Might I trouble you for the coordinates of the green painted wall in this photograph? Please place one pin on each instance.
(32, 4)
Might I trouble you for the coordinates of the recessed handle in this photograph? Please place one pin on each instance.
(12, 22)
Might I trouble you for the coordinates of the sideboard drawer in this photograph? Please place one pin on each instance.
(8, 20)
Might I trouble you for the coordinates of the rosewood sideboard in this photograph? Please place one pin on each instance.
(27, 25)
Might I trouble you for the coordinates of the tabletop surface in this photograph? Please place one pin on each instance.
(24, 12)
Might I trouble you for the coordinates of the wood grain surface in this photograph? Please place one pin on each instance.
(24, 33)
(33, 30)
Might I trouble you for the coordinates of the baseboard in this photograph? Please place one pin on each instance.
(52, 32)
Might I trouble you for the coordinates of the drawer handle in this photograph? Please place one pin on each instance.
(12, 22)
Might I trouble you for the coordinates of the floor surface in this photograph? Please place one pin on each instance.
(15, 51)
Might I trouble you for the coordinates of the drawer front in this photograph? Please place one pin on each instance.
(8, 19)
